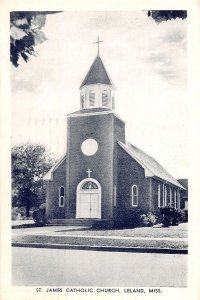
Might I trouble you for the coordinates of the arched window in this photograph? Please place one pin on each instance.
(178, 199)
(159, 198)
(170, 196)
(165, 196)
(105, 98)
(115, 196)
(82, 102)
(89, 185)
(134, 195)
(91, 98)
(175, 200)
(61, 196)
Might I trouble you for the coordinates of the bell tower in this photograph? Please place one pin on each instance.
(92, 136)
(97, 89)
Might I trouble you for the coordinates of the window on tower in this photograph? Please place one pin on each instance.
(113, 102)
(105, 98)
(91, 98)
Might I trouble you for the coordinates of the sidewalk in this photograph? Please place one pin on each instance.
(23, 223)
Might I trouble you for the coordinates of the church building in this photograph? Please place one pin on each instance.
(103, 179)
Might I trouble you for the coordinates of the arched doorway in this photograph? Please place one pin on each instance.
(88, 199)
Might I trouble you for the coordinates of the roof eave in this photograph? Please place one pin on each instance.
(49, 175)
(112, 85)
(168, 182)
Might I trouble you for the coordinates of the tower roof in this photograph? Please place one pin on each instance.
(97, 74)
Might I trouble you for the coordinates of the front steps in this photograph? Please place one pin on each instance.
(95, 223)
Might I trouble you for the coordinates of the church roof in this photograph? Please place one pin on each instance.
(151, 166)
(97, 74)
(184, 182)
(49, 175)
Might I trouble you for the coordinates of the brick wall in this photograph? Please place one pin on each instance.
(130, 173)
(52, 200)
(105, 130)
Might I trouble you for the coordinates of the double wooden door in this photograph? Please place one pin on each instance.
(89, 205)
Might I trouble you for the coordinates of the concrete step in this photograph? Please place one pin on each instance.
(96, 223)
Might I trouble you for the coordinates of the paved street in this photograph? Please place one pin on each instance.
(58, 267)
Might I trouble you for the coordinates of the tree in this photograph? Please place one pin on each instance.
(25, 33)
(164, 15)
(29, 163)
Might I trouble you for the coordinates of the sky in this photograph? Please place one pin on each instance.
(145, 60)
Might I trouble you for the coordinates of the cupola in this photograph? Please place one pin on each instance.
(97, 89)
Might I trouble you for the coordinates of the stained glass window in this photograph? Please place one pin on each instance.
(89, 185)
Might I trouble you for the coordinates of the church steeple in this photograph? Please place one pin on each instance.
(97, 74)
(97, 89)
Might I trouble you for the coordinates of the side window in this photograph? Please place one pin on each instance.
(159, 202)
(105, 98)
(170, 196)
(91, 98)
(175, 200)
(165, 195)
(178, 199)
(134, 195)
(115, 196)
(61, 196)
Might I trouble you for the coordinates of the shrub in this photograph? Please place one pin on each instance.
(32, 209)
(175, 217)
(148, 219)
(39, 216)
(166, 216)
(186, 215)
(171, 216)
(15, 214)
(18, 213)
(183, 215)
(127, 219)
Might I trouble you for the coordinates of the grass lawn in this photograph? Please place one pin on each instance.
(145, 237)
(179, 231)
(86, 241)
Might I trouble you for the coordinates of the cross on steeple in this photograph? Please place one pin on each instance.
(88, 172)
(98, 41)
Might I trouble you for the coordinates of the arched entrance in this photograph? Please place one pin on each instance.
(88, 199)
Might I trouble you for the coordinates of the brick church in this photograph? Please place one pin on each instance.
(102, 178)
